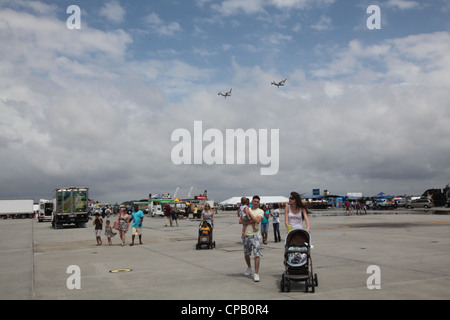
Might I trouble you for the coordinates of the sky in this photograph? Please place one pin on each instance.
(112, 96)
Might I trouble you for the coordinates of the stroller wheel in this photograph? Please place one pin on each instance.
(288, 285)
(197, 246)
(313, 289)
(282, 283)
(309, 283)
(316, 281)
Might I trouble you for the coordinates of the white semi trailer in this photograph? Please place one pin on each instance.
(16, 208)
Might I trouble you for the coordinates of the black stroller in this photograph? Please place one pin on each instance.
(205, 238)
(297, 261)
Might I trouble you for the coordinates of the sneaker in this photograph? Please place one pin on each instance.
(256, 277)
(248, 272)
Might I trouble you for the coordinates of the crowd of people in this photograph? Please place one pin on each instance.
(122, 224)
(253, 217)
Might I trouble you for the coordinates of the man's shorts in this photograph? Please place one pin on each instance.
(252, 242)
(136, 231)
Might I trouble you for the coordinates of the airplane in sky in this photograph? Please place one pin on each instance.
(279, 84)
(226, 94)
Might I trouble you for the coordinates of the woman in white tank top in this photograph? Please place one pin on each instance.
(296, 213)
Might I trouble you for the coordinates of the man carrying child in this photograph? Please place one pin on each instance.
(252, 238)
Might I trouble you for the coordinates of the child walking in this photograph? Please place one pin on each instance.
(98, 222)
(109, 232)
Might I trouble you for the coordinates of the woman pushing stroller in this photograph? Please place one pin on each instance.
(208, 215)
(206, 229)
(297, 254)
(295, 213)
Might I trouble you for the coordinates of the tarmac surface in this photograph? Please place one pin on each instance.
(412, 252)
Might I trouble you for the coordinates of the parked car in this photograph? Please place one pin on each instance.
(400, 202)
(420, 203)
(382, 204)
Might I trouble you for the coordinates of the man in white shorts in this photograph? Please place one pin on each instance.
(136, 229)
(252, 239)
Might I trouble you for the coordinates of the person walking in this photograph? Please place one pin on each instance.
(194, 214)
(208, 215)
(295, 213)
(109, 232)
(167, 211)
(98, 222)
(174, 215)
(137, 216)
(265, 224)
(124, 223)
(252, 239)
(276, 222)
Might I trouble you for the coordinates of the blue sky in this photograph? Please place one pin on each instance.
(207, 34)
(362, 110)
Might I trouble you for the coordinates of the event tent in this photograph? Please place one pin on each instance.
(382, 195)
(264, 199)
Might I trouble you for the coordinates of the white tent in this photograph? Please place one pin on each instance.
(264, 199)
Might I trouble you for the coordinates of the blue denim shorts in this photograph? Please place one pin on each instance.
(264, 228)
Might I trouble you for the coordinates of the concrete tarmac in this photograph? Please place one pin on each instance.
(412, 252)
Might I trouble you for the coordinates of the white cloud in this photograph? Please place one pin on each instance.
(35, 6)
(77, 109)
(276, 38)
(323, 24)
(113, 11)
(37, 40)
(299, 4)
(297, 27)
(161, 27)
(232, 7)
(419, 59)
(333, 89)
(402, 4)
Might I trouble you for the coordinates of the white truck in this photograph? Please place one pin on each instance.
(16, 208)
(45, 210)
(155, 209)
(70, 206)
